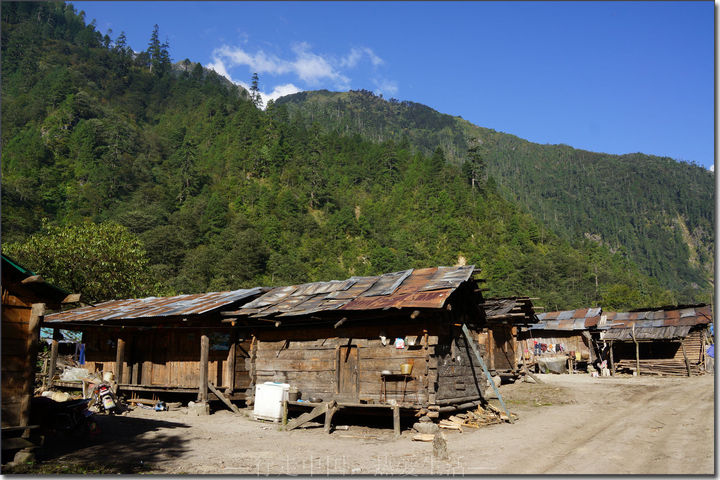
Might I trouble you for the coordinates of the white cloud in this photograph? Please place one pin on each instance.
(356, 54)
(385, 86)
(307, 65)
(312, 68)
(712, 167)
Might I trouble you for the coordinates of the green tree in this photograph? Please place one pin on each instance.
(255, 90)
(100, 261)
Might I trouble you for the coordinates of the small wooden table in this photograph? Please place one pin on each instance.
(384, 377)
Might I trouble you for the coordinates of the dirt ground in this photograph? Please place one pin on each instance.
(571, 424)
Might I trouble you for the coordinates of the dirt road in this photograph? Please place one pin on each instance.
(572, 424)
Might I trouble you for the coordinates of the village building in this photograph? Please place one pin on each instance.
(665, 341)
(505, 319)
(560, 337)
(163, 344)
(25, 299)
(394, 340)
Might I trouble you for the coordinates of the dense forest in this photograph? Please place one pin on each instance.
(656, 211)
(211, 192)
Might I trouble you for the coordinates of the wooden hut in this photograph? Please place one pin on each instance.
(167, 344)
(558, 334)
(347, 341)
(505, 319)
(25, 297)
(667, 341)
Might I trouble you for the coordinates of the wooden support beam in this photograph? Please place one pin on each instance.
(396, 420)
(230, 365)
(328, 417)
(224, 399)
(203, 380)
(687, 362)
(637, 352)
(119, 360)
(340, 322)
(311, 415)
(470, 342)
(53, 357)
(612, 359)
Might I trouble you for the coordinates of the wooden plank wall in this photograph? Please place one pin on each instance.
(161, 357)
(308, 358)
(19, 352)
(460, 377)
(500, 343)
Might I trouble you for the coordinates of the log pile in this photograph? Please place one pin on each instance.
(475, 418)
(659, 366)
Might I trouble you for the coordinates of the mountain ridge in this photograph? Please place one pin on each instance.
(547, 179)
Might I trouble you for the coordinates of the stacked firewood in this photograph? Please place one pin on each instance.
(659, 367)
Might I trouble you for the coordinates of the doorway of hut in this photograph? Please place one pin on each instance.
(347, 374)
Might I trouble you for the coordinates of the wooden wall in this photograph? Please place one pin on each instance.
(309, 359)
(460, 375)
(20, 337)
(500, 343)
(165, 357)
(316, 362)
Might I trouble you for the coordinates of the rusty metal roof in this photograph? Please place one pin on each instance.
(666, 323)
(414, 288)
(512, 309)
(180, 305)
(579, 319)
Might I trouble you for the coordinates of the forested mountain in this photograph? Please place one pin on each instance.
(221, 194)
(656, 211)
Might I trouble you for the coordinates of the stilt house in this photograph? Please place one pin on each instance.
(167, 344)
(393, 339)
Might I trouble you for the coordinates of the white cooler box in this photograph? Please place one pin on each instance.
(268, 400)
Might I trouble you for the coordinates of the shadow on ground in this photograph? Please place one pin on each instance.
(121, 445)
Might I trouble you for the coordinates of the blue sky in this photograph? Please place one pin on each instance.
(615, 77)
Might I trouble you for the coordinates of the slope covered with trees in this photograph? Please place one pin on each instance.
(654, 210)
(220, 194)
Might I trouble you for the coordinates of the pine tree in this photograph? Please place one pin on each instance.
(255, 91)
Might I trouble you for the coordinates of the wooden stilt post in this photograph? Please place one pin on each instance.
(230, 369)
(612, 358)
(119, 360)
(53, 357)
(203, 380)
(637, 352)
(328, 416)
(396, 420)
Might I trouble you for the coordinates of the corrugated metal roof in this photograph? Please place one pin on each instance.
(419, 288)
(508, 310)
(180, 305)
(646, 333)
(658, 320)
(579, 319)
